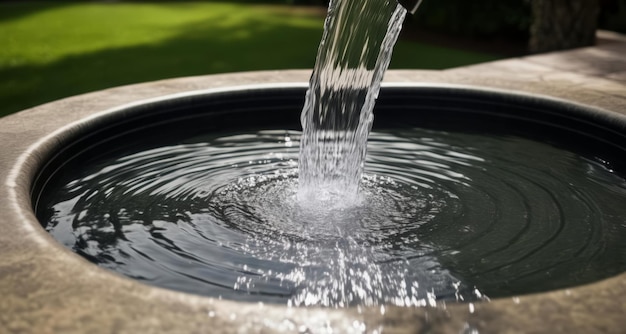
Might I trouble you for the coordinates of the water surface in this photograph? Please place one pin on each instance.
(441, 216)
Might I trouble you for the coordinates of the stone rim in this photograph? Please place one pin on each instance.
(571, 306)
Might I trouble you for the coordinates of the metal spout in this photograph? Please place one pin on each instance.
(410, 5)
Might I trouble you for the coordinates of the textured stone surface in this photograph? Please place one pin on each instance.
(44, 288)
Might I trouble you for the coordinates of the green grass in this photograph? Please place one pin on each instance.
(52, 50)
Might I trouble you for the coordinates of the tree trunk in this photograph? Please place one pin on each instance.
(563, 24)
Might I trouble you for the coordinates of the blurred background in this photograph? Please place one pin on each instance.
(53, 49)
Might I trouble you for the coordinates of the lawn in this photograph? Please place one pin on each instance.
(52, 50)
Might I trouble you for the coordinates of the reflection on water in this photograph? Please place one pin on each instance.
(441, 216)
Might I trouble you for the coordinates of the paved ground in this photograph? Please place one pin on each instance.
(583, 67)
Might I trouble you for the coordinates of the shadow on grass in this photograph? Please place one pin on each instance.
(200, 49)
(14, 10)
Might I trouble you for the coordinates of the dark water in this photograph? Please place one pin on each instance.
(441, 215)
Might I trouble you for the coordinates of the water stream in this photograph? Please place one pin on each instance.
(337, 117)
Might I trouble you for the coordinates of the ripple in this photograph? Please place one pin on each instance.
(440, 216)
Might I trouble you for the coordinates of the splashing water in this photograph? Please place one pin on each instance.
(337, 117)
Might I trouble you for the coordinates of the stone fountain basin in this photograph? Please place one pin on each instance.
(46, 287)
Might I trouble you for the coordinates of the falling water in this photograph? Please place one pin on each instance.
(354, 53)
(231, 215)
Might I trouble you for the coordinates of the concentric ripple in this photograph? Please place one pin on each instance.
(452, 216)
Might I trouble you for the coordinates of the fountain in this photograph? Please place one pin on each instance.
(473, 166)
(215, 212)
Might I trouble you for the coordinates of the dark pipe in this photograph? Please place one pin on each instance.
(410, 5)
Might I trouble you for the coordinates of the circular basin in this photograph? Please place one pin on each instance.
(467, 194)
(510, 205)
